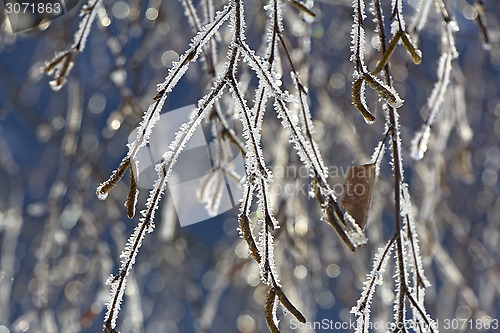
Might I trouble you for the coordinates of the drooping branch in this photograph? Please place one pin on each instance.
(152, 114)
(437, 96)
(62, 62)
(404, 237)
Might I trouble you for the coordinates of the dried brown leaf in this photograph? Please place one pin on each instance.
(358, 190)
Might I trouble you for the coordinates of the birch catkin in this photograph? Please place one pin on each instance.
(391, 97)
(357, 100)
(388, 52)
(132, 195)
(415, 53)
(268, 312)
(104, 188)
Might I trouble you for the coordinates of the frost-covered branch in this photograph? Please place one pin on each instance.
(152, 115)
(146, 224)
(272, 100)
(62, 62)
(435, 100)
(404, 237)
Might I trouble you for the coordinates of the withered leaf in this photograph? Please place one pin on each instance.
(358, 190)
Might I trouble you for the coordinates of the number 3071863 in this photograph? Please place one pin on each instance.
(35, 8)
(470, 324)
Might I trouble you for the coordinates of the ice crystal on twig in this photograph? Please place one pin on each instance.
(260, 233)
(62, 62)
(437, 96)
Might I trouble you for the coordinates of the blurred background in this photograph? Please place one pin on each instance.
(59, 243)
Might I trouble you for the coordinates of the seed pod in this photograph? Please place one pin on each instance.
(247, 235)
(132, 195)
(268, 312)
(383, 91)
(358, 100)
(49, 68)
(59, 67)
(388, 52)
(416, 54)
(104, 188)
